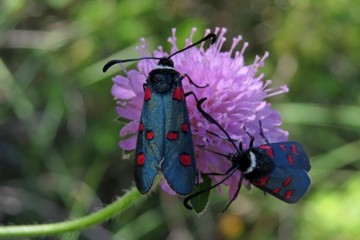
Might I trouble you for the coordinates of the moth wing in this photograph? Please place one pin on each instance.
(289, 184)
(291, 153)
(289, 179)
(150, 142)
(178, 167)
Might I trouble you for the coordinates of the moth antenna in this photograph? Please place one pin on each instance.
(262, 133)
(210, 35)
(220, 154)
(223, 138)
(112, 62)
(252, 138)
(213, 121)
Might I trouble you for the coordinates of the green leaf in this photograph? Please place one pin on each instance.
(200, 202)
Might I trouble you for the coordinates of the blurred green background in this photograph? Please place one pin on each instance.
(59, 154)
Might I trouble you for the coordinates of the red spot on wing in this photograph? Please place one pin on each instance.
(282, 146)
(268, 149)
(147, 95)
(261, 182)
(140, 159)
(185, 159)
(276, 190)
(185, 127)
(293, 149)
(178, 94)
(290, 159)
(141, 127)
(288, 194)
(172, 136)
(287, 181)
(149, 135)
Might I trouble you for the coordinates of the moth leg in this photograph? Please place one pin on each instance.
(262, 133)
(210, 118)
(252, 138)
(188, 198)
(236, 193)
(191, 81)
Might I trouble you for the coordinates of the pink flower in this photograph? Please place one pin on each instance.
(236, 95)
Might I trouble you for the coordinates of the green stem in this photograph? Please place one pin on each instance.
(129, 199)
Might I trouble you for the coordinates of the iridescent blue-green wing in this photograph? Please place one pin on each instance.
(178, 166)
(150, 141)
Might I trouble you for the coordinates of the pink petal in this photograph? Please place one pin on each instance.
(129, 143)
(165, 186)
(122, 93)
(129, 128)
(136, 81)
(128, 113)
(234, 185)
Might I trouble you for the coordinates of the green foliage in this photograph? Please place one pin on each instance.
(59, 154)
(325, 216)
(200, 202)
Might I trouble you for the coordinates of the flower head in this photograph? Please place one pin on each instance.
(236, 98)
